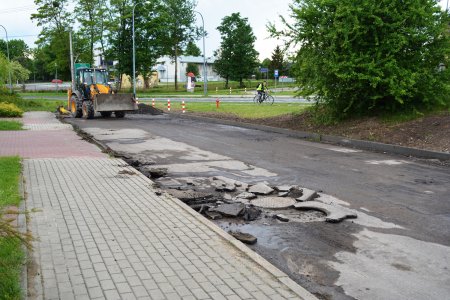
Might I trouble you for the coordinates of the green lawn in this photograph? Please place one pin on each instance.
(10, 125)
(31, 105)
(11, 254)
(243, 110)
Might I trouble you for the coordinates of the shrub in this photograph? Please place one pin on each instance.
(360, 57)
(10, 110)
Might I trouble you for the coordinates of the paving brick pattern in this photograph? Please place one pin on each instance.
(104, 234)
(46, 144)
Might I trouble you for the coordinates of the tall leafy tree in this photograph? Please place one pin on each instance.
(148, 35)
(236, 57)
(92, 16)
(55, 20)
(361, 56)
(178, 19)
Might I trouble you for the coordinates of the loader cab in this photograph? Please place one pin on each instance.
(88, 76)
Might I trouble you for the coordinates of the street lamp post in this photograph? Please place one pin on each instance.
(9, 62)
(134, 54)
(205, 79)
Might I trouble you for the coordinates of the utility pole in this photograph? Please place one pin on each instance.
(134, 53)
(205, 79)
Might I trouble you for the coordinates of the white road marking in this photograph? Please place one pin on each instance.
(344, 150)
(388, 162)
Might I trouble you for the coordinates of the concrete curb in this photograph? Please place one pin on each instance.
(358, 144)
(23, 227)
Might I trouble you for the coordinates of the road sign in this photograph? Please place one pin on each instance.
(264, 70)
(276, 73)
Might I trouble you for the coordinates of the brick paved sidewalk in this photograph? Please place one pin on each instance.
(102, 233)
(45, 137)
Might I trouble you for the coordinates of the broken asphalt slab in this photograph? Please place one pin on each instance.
(244, 237)
(229, 210)
(308, 195)
(335, 213)
(260, 189)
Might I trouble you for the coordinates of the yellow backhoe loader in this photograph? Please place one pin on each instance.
(90, 93)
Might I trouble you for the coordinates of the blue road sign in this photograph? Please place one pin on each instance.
(276, 73)
(264, 70)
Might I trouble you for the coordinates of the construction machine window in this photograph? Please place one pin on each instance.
(101, 76)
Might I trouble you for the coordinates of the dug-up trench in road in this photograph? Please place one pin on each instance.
(253, 210)
(295, 227)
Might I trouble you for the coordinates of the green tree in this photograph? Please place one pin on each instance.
(91, 14)
(276, 62)
(18, 51)
(55, 20)
(4, 67)
(178, 19)
(148, 36)
(236, 57)
(193, 50)
(362, 56)
(18, 72)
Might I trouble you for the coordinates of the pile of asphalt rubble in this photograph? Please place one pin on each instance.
(224, 198)
(145, 109)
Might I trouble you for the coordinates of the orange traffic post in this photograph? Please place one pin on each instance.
(183, 106)
(168, 105)
(153, 102)
(217, 103)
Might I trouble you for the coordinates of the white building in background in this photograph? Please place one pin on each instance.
(166, 69)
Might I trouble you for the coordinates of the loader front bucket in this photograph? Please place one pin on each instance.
(115, 102)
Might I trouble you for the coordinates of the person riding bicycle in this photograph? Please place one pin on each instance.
(261, 89)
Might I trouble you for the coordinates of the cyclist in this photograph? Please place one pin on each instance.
(261, 89)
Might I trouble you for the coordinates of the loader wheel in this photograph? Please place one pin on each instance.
(88, 110)
(119, 114)
(106, 114)
(74, 108)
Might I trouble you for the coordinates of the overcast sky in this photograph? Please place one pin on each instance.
(15, 16)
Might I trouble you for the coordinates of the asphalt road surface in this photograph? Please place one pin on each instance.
(397, 248)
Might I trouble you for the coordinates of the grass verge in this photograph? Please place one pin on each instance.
(30, 105)
(10, 125)
(11, 254)
(242, 110)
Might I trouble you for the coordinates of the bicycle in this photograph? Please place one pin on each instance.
(264, 97)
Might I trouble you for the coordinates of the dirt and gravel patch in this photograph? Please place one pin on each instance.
(431, 132)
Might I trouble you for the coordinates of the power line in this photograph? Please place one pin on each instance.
(25, 35)
(17, 9)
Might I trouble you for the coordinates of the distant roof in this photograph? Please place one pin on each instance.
(196, 59)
